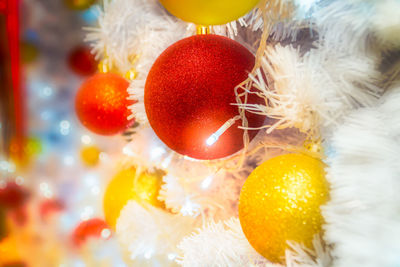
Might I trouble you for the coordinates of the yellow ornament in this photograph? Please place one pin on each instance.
(23, 151)
(79, 4)
(9, 253)
(90, 155)
(34, 146)
(280, 201)
(29, 52)
(126, 186)
(209, 12)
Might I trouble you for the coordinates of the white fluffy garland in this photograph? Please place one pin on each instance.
(219, 244)
(145, 231)
(224, 244)
(311, 91)
(363, 219)
(315, 90)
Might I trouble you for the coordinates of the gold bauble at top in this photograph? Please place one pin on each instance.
(209, 12)
(79, 4)
(280, 202)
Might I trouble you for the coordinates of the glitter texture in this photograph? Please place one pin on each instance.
(102, 105)
(280, 202)
(190, 94)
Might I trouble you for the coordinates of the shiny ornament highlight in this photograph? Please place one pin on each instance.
(209, 12)
(190, 94)
(90, 155)
(102, 106)
(280, 201)
(127, 186)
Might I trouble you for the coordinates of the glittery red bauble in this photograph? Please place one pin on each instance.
(190, 91)
(93, 228)
(82, 62)
(102, 105)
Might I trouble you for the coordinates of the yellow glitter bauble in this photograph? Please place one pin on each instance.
(209, 12)
(126, 186)
(9, 253)
(90, 155)
(280, 201)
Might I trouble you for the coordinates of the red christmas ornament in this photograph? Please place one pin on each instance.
(13, 196)
(3, 223)
(190, 91)
(93, 228)
(82, 62)
(50, 206)
(102, 105)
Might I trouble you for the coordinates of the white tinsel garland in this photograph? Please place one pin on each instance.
(224, 244)
(363, 219)
(219, 244)
(313, 90)
(146, 231)
(380, 18)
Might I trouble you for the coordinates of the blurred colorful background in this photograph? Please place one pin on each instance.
(49, 164)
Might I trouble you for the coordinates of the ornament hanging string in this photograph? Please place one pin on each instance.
(246, 85)
(269, 11)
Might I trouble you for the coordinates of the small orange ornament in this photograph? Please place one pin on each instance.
(102, 105)
(92, 228)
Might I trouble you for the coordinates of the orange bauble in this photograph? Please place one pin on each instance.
(102, 104)
(93, 228)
